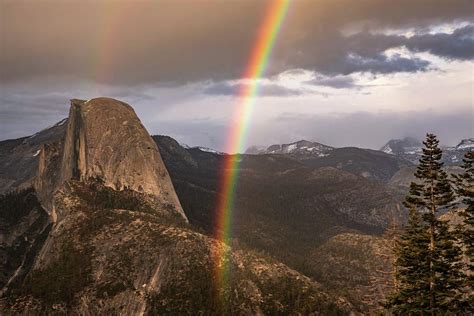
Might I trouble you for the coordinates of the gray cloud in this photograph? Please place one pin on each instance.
(27, 109)
(205, 132)
(264, 89)
(381, 64)
(364, 52)
(459, 45)
(130, 42)
(125, 49)
(337, 82)
(25, 114)
(357, 129)
(28, 113)
(273, 87)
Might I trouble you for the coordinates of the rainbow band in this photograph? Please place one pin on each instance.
(256, 67)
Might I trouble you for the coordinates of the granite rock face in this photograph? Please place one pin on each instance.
(105, 139)
(102, 140)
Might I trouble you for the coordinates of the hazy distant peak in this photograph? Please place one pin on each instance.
(467, 143)
(254, 150)
(301, 147)
(411, 149)
(395, 146)
(208, 150)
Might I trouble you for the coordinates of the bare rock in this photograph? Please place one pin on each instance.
(105, 139)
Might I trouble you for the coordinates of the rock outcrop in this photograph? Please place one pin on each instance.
(105, 139)
(101, 260)
(101, 141)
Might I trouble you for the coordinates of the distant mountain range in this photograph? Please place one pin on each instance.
(300, 148)
(407, 148)
(411, 149)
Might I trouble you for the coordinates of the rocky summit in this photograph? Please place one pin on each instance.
(105, 139)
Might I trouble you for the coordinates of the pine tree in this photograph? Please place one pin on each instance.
(411, 267)
(464, 184)
(428, 257)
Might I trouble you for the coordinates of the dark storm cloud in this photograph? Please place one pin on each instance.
(381, 64)
(136, 42)
(459, 45)
(365, 52)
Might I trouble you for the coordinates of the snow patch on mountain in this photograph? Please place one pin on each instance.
(300, 148)
(209, 150)
(411, 149)
(387, 149)
(466, 144)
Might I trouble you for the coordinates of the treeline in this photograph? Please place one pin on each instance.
(434, 264)
(16, 204)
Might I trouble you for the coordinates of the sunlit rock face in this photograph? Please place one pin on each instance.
(102, 144)
(105, 139)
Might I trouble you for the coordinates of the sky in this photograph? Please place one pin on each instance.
(342, 72)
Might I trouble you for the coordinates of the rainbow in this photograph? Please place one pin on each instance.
(257, 65)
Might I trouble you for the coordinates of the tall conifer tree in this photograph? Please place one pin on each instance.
(435, 277)
(412, 267)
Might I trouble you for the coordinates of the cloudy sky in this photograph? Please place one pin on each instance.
(342, 72)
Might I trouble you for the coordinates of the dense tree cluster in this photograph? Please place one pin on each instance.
(431, 271)
(16, 204)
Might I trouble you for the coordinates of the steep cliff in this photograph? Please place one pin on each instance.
(105, 139)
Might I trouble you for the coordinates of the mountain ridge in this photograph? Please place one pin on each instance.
(410, 148)
(301, 148)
